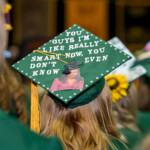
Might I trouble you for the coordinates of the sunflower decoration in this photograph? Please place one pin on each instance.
(6, 11)
(118, 85)
(7, 8)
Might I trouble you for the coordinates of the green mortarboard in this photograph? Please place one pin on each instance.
(92, 57)
(125, 69)
(144, 60)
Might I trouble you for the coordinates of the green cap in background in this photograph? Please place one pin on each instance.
(126, 69)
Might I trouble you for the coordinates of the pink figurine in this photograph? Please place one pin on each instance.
(71, 80)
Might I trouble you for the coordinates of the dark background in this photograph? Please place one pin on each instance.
(37, 21)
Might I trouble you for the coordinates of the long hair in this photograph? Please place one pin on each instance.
(125, 109)
(86, 127)
(12, 93)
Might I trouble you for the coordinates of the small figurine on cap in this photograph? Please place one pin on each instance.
(71, 78)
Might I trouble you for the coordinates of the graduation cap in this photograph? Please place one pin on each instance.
(85, 81)
(127, 69)
(120, 78)
(144, 60)
(71, 66)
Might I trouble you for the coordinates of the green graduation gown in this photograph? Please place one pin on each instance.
(13, 136)
(143, 121)
(132, 137)
(119, 145)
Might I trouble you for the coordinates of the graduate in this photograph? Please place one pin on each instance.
(13, 134)
(12, 99)
(143, 116)
(124, 94)
(3, 33)
(81, 117)
(12, 92)
(144, 82)
(125, 109)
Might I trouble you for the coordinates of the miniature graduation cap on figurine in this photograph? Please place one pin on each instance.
(71, 66)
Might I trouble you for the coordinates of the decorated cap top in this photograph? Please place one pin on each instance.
(87, 59)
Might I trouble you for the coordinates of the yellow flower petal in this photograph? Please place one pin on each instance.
(121, 78)
(116, 95)
(111, 82)
(118, 84)
(8, 27)
(118, 89)
(7, 8)
(124, 85)
(113, 100)
(123, 92)
(108, 77)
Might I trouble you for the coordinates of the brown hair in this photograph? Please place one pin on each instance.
(86, 127)
(125, 109)
(12, 93)
(143, 95)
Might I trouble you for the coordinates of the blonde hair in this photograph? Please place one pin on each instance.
(12, 93)
(83, 128)
(125, 109)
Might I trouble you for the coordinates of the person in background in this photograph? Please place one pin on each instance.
(125, 108)
(144, 94)
(3, 33)
(143, 87)
(11, 90)
(12, 99)
(143, 58)
(13, 134)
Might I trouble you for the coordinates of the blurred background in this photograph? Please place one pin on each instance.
(37, 21)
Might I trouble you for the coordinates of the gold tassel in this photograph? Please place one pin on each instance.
(35, 112)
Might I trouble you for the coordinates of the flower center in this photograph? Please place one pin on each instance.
(113, 83)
